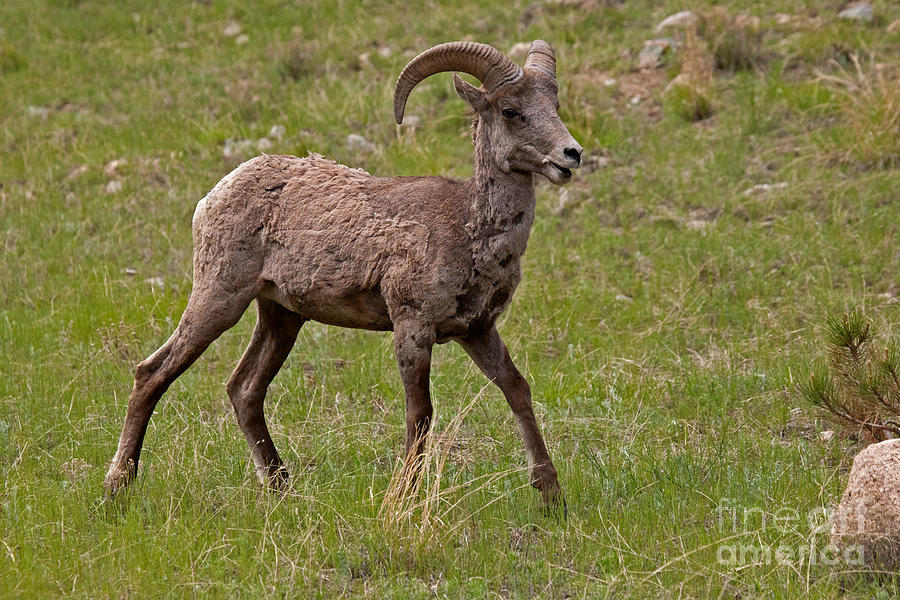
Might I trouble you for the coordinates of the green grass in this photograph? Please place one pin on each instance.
(663, 321)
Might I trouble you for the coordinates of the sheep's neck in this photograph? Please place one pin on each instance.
(501, 201)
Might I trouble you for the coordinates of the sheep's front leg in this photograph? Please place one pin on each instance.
(489, 352)
(412, 344)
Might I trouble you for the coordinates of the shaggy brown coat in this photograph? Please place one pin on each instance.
(430, 258)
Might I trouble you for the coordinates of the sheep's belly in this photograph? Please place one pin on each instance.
(360, 309)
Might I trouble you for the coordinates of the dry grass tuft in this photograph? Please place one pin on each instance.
(297, 59)
(869, 99)
(424, 507)
(10, 59)
(689, 95)
(736, 41)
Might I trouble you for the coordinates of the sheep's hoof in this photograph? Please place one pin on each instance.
(276, 479)
(118, 477)
(553, 503)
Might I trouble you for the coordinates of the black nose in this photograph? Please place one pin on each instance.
(573, 154)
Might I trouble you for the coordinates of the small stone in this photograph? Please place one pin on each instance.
(745, 21)
(858, 11)
(653, 51)
(827, 435)
(236, 148)
(77, 172)
(519, 51)
(783, 18)
(278, 132)
(696, 225)
(594, 162)
(624, 298)
(385, 52)
(685, 18)
(242, 39)
(566, 199)
(609, 82)
(42, 112)
(263, 144)
(112, 166)
(765, 188)
(131, 272)
(412, 122)
(634, 100)
(233, 29)
(156, 282)
(359, 143)
(113, 186)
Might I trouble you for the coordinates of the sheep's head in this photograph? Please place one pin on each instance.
(517, 107)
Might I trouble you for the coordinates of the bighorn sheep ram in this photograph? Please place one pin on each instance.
(429, 258)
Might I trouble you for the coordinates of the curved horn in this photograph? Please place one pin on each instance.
(541, 58)
(488, 64)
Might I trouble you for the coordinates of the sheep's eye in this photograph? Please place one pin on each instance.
(510, 113)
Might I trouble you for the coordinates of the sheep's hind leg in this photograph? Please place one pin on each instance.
(412, 344)
(489, 352)
(208, 314)
(274, 336)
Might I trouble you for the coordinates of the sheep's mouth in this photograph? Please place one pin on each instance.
(566, 172)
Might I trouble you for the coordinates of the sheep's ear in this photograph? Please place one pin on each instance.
(471, 94)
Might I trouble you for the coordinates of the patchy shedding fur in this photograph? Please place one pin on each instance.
(430, 258)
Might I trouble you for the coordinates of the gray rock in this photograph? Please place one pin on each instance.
(696, 225)
(653, 51)
(519, 51)
(112, 167)
(685, 18)
(412, 122)
(765, 188)
(113, 186)
(236, 148)
(359, 143)
(233, 29)
(41, 112)
(866, 524)
(858, 11)
(278, 132)
(594, 162)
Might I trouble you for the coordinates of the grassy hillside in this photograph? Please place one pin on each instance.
(673, 295)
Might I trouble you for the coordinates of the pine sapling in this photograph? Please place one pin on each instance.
(857, 387)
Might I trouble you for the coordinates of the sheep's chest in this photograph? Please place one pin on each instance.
(493, 278)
